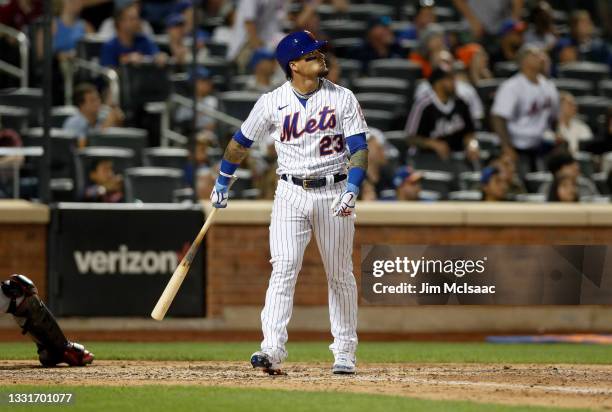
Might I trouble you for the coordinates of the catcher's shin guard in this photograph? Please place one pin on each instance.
(36, 320)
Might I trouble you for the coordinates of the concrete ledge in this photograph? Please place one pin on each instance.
(240, 212)
(22, 211)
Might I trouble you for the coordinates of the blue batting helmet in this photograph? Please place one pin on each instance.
(295, 45)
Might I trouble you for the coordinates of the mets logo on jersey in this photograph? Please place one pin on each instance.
(326, 120)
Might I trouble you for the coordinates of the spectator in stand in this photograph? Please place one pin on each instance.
(380, 173)
(441, 122)
(199, 157)
(379, 43)
(108, 29)
(582, 45)
(476, 60)
(104, 185)
(68, 28)
(20, 13)
(8, 138)
(205, 182)
(257, 24)
(205, 93)
(463, 89)
(493, 185)
(511, 40)
(525, 108)
(407, 184)
(263, 66)
(424, 16)
(92, 116)
(506, 165)
(571, 129)
(335, 70)
(431, 43)
(561, 164)
(129, 46)
(485, 17)
(563, 189)
(541, 31)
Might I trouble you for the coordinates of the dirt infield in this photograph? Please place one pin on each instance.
(585, 386)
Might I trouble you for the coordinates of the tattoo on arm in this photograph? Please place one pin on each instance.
(360, 159)
(235, 152)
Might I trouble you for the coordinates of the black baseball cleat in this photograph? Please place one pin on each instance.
(263, 361)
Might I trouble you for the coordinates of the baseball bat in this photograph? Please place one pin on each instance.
(165, 300)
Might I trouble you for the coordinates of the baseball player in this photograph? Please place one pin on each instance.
(19, 297)
(317, 126)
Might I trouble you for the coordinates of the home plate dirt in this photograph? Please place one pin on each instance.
(584, 386)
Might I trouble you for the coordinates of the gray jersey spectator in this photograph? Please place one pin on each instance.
(486, 16)
(92, 116)
(525, 108)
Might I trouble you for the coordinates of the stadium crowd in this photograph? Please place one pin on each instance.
(466, 100)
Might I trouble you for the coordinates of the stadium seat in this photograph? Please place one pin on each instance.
(166, 157)
(574, 86)
(408, 46)
(591, 72)
(131, 138)
(534, 180)
(63, 144)
(437, 181)
(398, 68)
(341, 29)
(488, 141)
(59, 114)
(217, 49)
(531, 197)
(486, 90)
(242, 184)
(429, 196)
(427, 160)
(505, 69)
(595, 199)
(238, 104)
(379, 119)
(90, 47)
(465, 196)
(391, 103)
(141, 84)
(593, 107)
(12, 117)
(469, 181)
(343, 48)
(152, 184)
(122, 159)
(28, 98)
(363, 12)
(601, 182)
(179, 84)
(398, 139)
(381, 85)
(605, 88)
(351, 68)
(585, 160)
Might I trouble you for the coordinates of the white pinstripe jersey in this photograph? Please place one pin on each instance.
(309, 141)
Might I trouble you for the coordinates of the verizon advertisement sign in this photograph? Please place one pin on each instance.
(115, 260)
(125, 261)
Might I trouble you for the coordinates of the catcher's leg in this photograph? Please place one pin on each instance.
(289, 234)
(36, 320)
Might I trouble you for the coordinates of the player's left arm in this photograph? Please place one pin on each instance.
(358, 167)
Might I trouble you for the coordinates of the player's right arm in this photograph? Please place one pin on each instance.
(255, 127)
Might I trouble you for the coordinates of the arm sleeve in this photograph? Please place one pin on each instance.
(505, 100)
(257, 125)
(353, 120)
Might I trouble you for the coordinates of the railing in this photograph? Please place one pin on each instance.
(22, 40)
(214, 113)
(110, 75)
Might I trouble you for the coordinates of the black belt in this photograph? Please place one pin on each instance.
(313, 183)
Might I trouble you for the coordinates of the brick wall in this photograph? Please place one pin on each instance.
(23, 249)
(239, 268)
